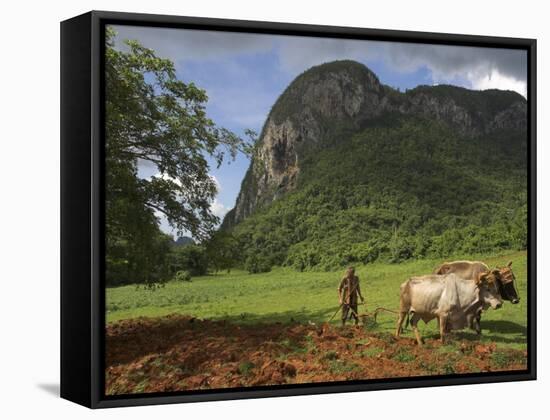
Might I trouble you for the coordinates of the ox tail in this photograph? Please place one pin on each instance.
(407, 320)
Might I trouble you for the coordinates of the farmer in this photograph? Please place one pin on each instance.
(347, 295)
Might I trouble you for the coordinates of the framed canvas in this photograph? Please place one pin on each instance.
(254, 209)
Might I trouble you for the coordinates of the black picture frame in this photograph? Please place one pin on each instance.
(82, 212)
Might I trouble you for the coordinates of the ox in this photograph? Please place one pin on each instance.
(470, 270)
(446, 297)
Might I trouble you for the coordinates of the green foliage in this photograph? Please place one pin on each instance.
(257, 264)
(245, 368)
(403, 355)
(190, 258)
(153, 117)
(342, 366)
(503, 359)
(405, 188)
(449, 367)
(222, 251)
(481, 104)
(183, 275)
(371, 352)
(140, 256)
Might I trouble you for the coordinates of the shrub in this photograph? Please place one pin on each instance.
(183, 275)
(191, 258)
(257, 264)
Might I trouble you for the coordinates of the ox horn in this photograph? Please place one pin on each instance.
(509, 264)
(493, 276)
(481, 277)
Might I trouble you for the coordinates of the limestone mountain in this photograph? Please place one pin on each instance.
(337, 127)
(332, 99)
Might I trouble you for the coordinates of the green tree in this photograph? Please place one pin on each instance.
(152, 117)
(222, 251)
(190, 258)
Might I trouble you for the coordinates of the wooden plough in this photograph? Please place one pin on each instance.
(366, 314)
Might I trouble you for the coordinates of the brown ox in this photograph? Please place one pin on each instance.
(447, 298)
(470, 270)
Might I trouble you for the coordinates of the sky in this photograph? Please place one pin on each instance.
(244, 74)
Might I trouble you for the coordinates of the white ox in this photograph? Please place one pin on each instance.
(447, 298)
(471, 270)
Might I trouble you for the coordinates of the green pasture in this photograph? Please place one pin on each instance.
(285, 295)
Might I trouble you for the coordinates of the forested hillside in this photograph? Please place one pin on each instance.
(376, 174)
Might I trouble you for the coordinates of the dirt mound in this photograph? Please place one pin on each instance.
(176, 353)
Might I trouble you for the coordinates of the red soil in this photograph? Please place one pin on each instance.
(178, 353)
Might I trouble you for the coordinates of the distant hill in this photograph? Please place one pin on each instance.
(184, 240)
(348, 170)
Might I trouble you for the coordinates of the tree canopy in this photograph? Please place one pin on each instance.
(154, 118)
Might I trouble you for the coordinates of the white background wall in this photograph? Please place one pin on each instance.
(29, 214)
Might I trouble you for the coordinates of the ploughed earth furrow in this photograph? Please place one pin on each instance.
(177, 353)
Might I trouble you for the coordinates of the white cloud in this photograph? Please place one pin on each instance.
(480, 67)
(218, 185)
(167, 177)
(218, 208)
(452, 61)
(495, 80)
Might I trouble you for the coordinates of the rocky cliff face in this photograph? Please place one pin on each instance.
(343, 97)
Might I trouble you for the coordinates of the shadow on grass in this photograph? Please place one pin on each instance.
(499, 331)
(286, 317)
(504, 327)
(131, 339)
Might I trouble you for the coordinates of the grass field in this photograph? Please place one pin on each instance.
(284, 295)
